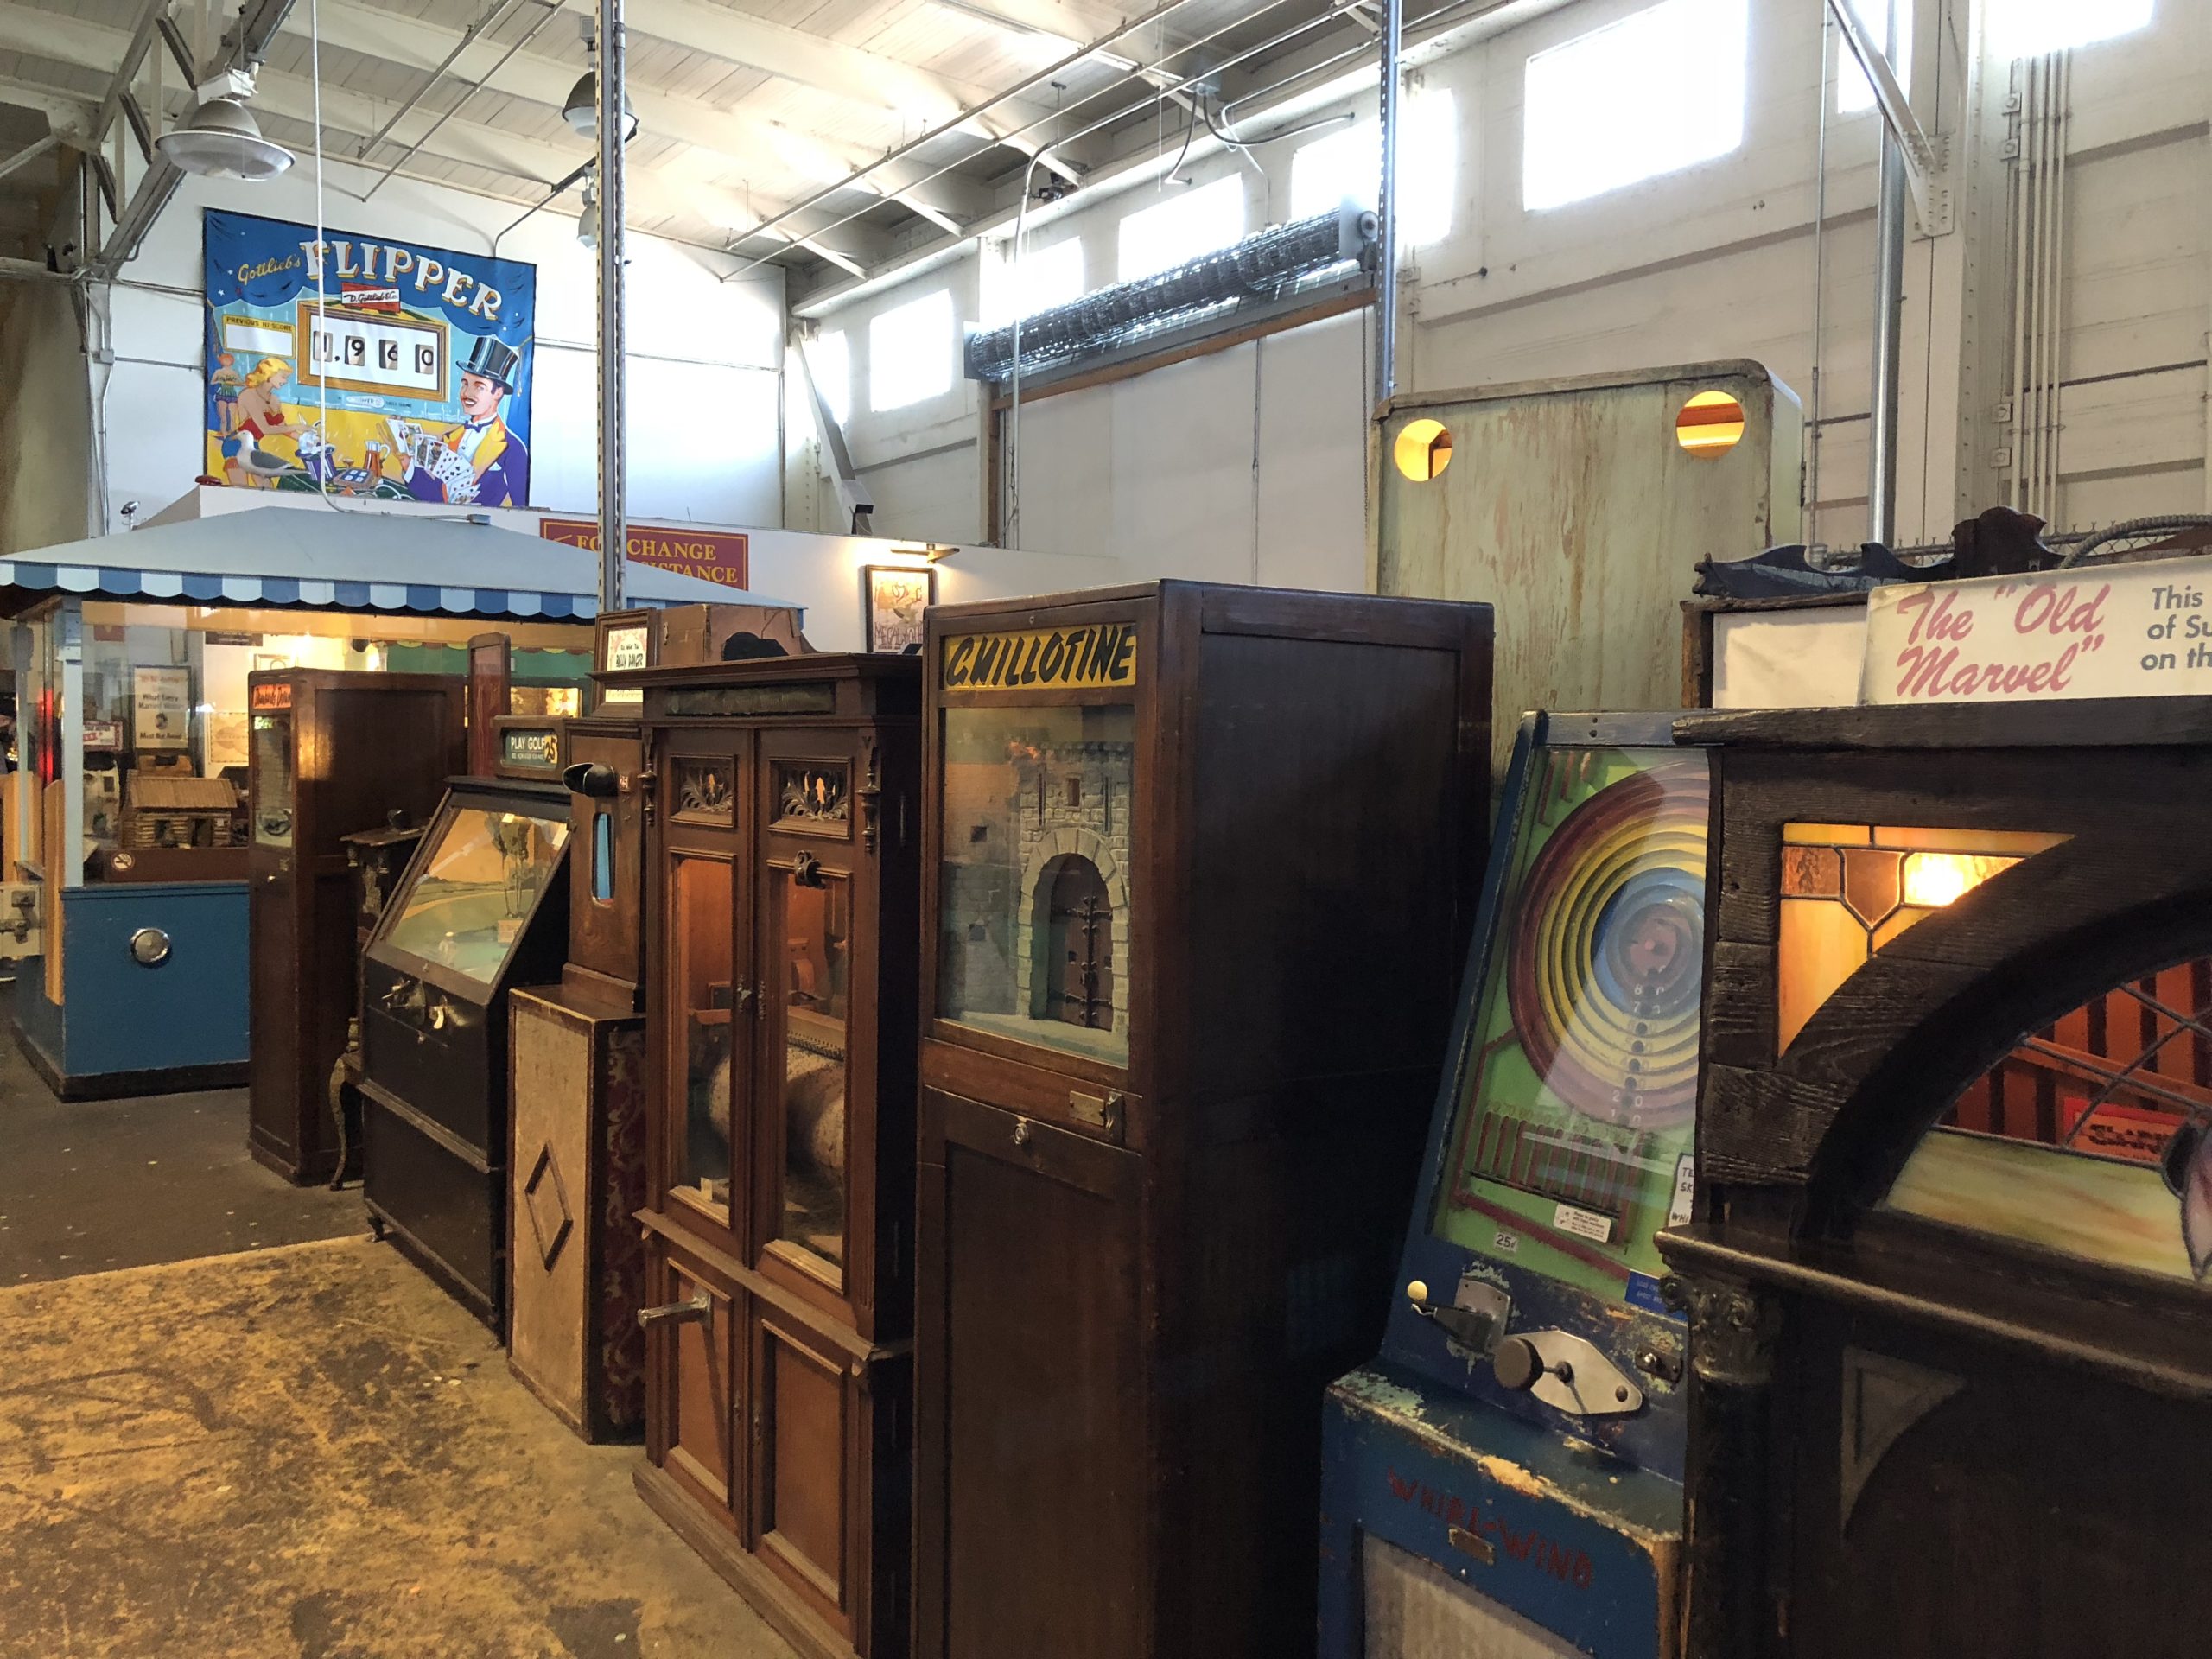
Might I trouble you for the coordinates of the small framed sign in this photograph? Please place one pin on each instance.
(894, 596)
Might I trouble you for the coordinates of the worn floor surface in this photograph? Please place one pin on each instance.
(309, 1451)
(88, 1185)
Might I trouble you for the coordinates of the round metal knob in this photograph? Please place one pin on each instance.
(1022, 1132)
(1516, 1365)
(150, 947)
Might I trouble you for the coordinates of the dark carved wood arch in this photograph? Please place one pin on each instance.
(2028, 947)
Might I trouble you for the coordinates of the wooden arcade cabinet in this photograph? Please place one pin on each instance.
(1947, 1279)
(332, 753)
(1200, 862)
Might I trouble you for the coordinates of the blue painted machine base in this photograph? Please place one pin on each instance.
(121, 1029)
(1552, 1529)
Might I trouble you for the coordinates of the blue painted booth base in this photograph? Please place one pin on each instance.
(125, 1028)
(1556, 1547)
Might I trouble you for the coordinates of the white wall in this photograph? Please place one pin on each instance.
(1714, 262)
(705, 432)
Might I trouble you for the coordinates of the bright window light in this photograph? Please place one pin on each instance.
(1184, 226)
(2028, 28)
(1853, 91)
(830, 360)
(1656, 91)
(1040, 279)
(910, 352)
(1347, 166)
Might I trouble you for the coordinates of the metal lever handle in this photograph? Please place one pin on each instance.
(699, 1307)
(1465, 1327)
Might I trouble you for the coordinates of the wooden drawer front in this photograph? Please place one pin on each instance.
(808, 1469)
(694, 1371)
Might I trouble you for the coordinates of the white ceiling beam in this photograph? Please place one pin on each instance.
(728, 137)
(918, 96)
(89, 45)
(66, 114)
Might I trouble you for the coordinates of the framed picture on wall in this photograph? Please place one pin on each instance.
(895, 595)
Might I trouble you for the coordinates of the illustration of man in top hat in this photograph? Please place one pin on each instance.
(485, 464)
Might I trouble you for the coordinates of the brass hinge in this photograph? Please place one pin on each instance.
(1100, 1112)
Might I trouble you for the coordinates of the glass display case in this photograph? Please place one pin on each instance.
(1201, 861)
(783, 876)
(482, 909)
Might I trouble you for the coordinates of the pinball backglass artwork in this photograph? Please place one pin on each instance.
(1571, 1140)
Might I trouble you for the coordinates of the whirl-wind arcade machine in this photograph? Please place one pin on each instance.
(1200, 862)
(1505, 1479)
(1952, 1346)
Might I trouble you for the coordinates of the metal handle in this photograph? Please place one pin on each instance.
(699, 1307)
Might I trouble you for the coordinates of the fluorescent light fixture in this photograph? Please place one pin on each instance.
(910, 350)
(2029, 29)
(1661, 90)
(1182, 226)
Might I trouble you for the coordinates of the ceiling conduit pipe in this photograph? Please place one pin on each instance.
(1888, 300)
(1386, 276)
(613, 229)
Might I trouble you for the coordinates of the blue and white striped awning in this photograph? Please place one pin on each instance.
(354, 560)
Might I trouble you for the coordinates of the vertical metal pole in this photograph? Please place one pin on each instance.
(613, 517)
(1889, 294)
(1385, 298)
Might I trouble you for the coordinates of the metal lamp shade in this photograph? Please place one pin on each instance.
(581, 111)
(221, 140)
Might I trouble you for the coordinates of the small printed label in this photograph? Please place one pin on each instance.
(1643, 1291)
(1585, 1223)
(1509, 1243)
(1678, 1212)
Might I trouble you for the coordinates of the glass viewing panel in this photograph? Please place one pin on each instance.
(272, 780)
(1572, 1142)
(1848, 889)
(1035, 889)
(814, 934)
(2090, 1138)
(699, 975)
(485, 870)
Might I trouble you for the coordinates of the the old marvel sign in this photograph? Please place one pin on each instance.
(1103, 654)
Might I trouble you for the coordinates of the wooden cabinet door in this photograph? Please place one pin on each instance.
(1032, 1454)
(704, 977)
(809, 1464)
(695, 1369)
(1960, 1500)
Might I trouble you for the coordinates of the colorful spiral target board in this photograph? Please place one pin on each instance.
(1608, 952)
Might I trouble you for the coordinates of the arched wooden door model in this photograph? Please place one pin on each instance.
(1950, 1281)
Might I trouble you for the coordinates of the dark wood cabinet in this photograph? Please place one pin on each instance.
(331, 753)
(1946, 1276)
(482, 909)
(576, 1161)
(782, 906)
(1199, 870)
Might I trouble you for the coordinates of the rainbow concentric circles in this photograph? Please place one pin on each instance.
(1608, 950)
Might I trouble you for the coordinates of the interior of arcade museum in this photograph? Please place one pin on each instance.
(1105, 828)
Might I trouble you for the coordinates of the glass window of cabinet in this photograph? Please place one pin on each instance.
(1036, 880)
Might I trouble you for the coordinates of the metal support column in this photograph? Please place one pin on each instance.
(614, 519)
(1888, 297)
(1386, 278)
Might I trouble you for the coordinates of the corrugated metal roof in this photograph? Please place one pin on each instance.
(353, 560)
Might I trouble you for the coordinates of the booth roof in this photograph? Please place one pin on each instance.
(354, 560)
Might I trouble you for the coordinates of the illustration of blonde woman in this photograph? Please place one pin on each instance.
(260, 414)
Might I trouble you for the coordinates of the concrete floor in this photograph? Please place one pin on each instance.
(212, 1451)
(90, 1184)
